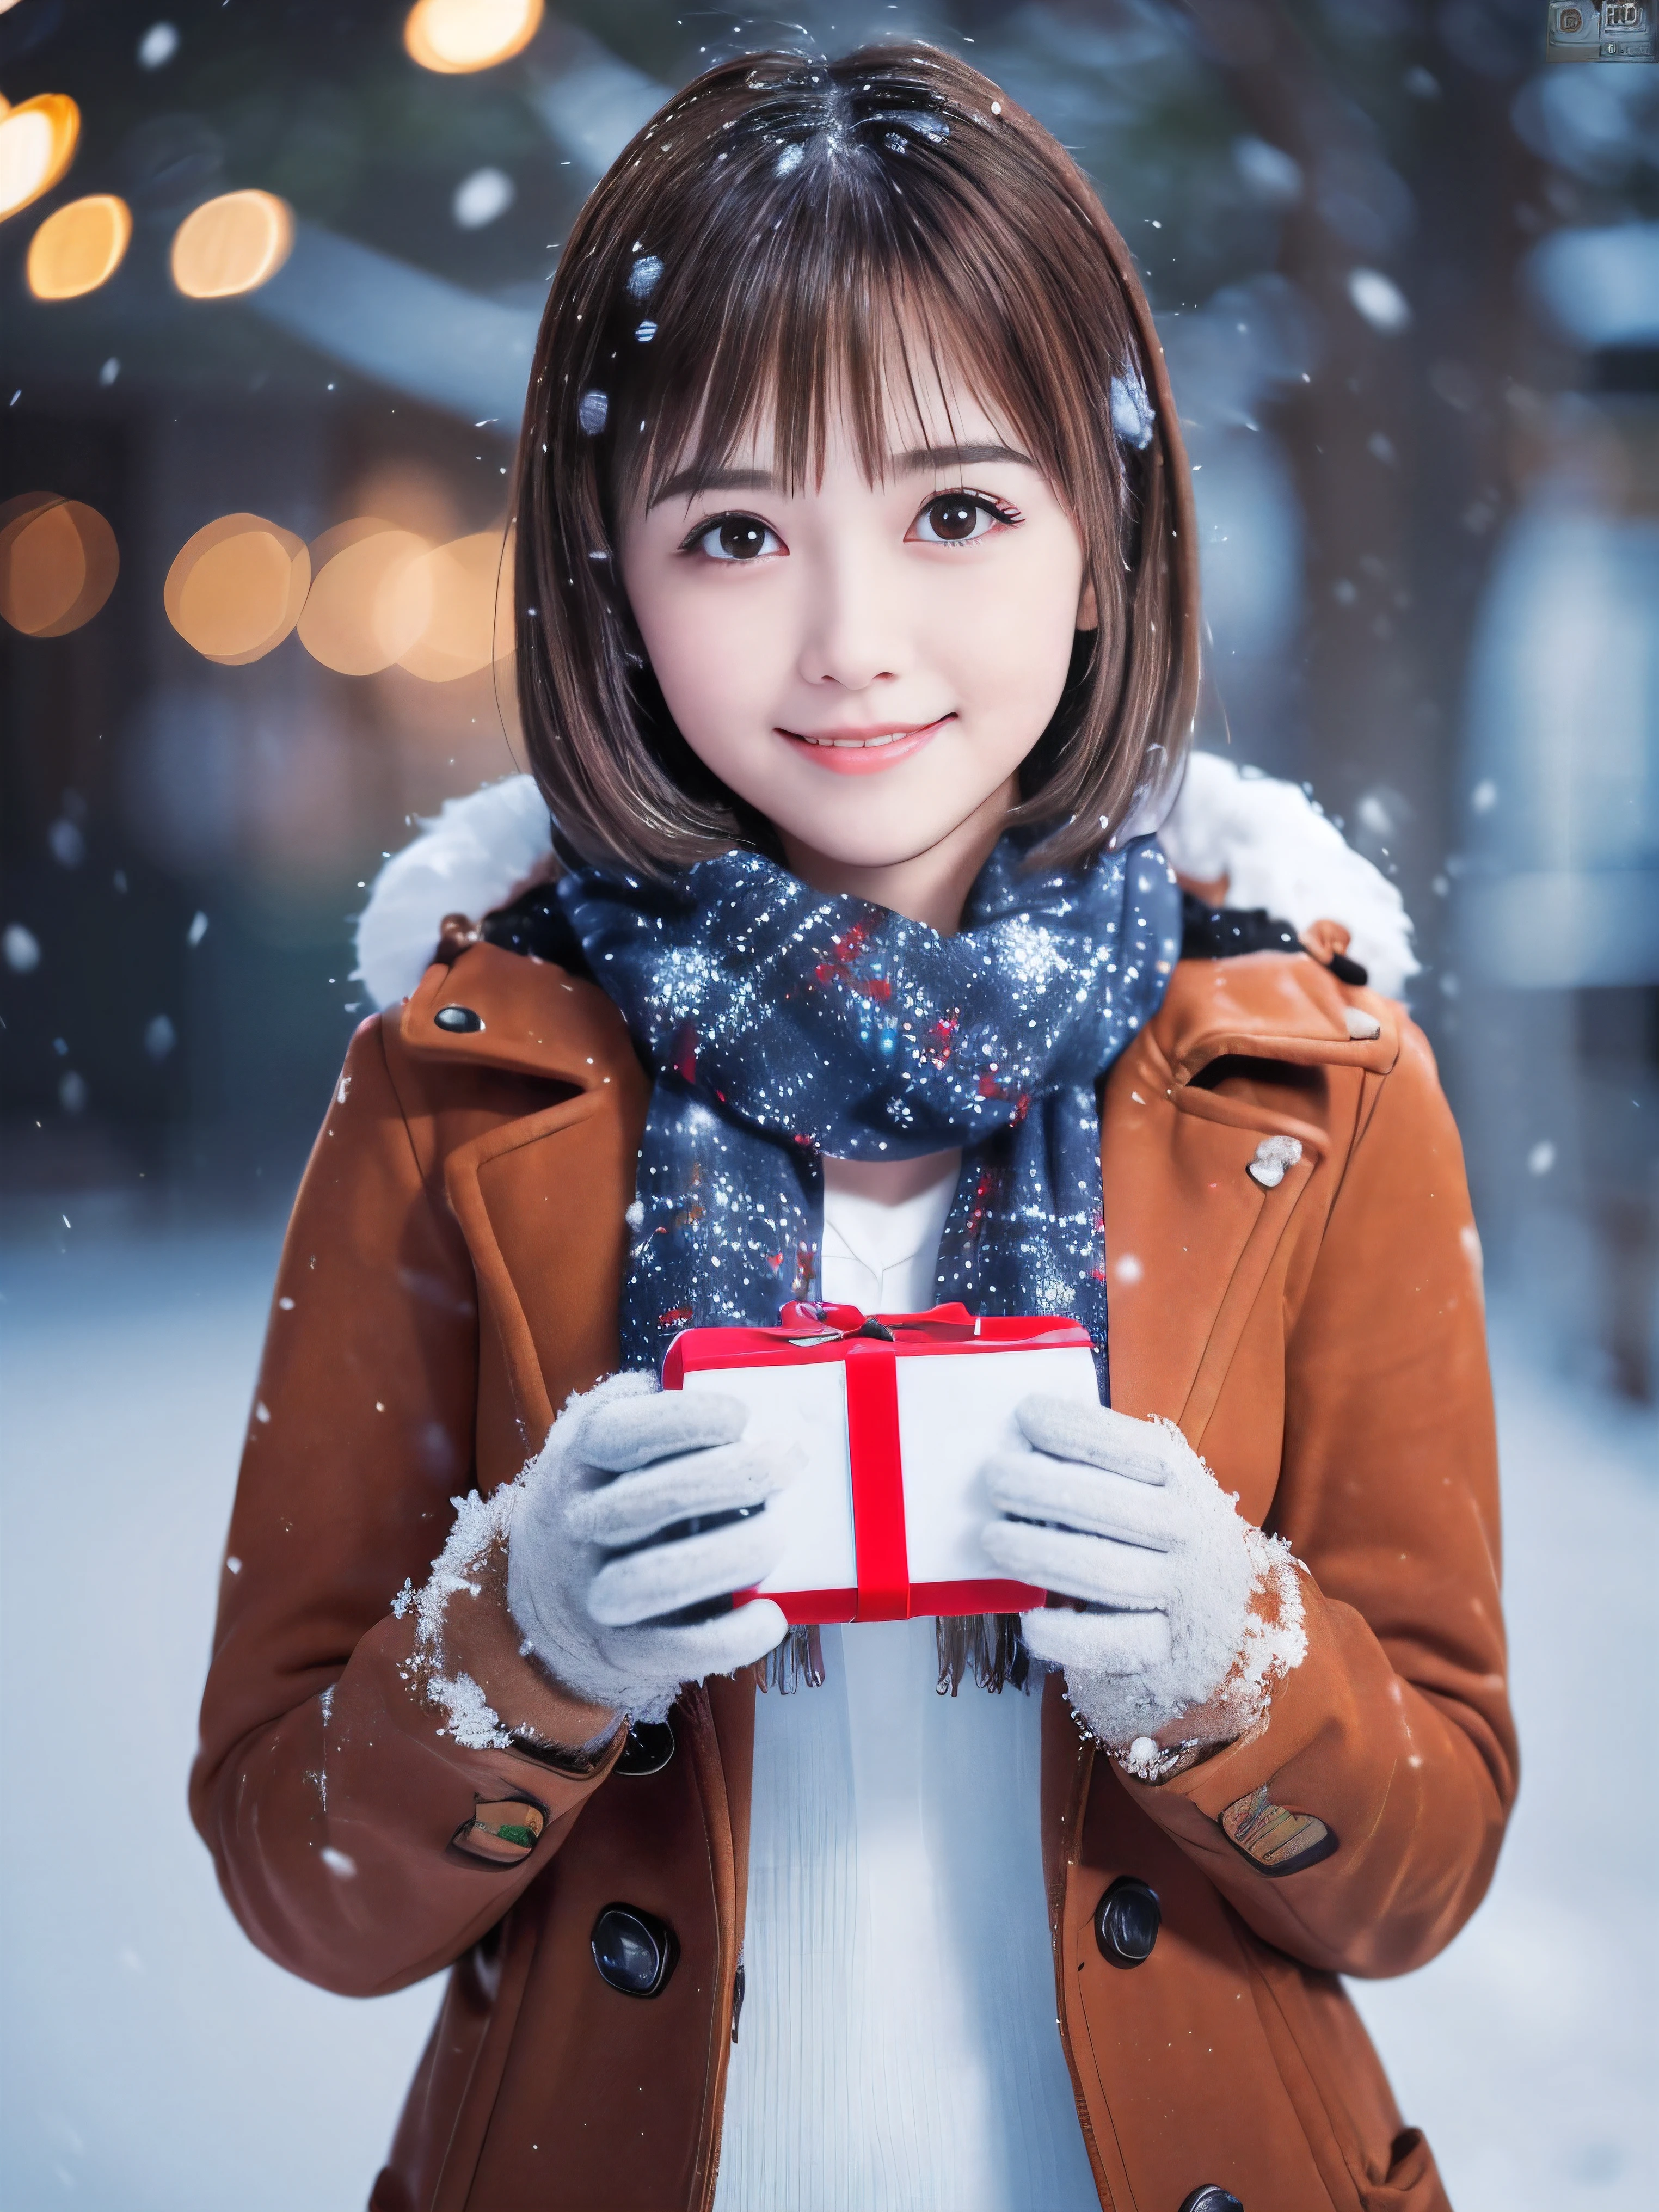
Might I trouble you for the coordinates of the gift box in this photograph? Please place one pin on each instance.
(898, 1414)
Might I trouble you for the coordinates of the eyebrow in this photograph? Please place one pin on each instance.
(929, 460)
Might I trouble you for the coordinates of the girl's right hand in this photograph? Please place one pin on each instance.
(642, 1515)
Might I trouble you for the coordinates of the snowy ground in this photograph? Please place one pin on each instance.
(153, 2059)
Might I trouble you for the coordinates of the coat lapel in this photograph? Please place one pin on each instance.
(542, 1197)
(1190, 1233)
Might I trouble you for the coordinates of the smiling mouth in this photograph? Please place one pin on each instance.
(867, 749)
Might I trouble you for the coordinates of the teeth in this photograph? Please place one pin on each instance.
(855, 744)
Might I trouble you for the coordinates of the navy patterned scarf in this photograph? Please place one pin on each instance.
(782, 1024)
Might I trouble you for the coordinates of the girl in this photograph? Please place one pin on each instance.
(857, 651)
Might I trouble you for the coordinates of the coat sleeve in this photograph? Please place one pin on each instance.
(1395, 1730)
(329, 1788)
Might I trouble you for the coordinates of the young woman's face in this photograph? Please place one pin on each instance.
(866, 664)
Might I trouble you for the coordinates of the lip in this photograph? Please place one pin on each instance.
(867, 752)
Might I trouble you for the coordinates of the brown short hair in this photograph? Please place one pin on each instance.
(791, 234)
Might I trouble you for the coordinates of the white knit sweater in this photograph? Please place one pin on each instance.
(897, 2048)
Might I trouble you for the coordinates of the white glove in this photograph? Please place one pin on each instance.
(594, 1597)
(1124, 1513)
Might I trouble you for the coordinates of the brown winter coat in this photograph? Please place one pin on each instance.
(452, 1275)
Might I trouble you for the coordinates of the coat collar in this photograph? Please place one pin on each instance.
(494, 1009)
(490, 1008)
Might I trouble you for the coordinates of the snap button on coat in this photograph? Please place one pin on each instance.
(635, 1952)
(649, 1747)
(1127, 1922)
(1273, 1156)
(459, 1019)
(1211, 2198)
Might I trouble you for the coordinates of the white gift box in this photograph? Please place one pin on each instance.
(898, 1414)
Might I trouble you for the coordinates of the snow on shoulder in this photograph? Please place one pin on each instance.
(1279, 849)
(467, 860)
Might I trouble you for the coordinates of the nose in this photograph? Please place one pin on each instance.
(850, 639)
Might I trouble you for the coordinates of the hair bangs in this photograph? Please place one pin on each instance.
(846, 311)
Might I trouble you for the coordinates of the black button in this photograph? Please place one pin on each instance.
(1211, 2198)
(459, 1019)
(634, 1951)
(1127, 1922)
(649, 1747)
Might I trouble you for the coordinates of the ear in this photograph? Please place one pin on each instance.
(1088, 607)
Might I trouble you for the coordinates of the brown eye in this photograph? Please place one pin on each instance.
(733, 537)
(738, 538)
(961, 518)
(953, 517)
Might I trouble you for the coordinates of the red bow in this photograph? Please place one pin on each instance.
(807, 1318)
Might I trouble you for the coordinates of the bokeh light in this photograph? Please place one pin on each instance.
(371, 598)
(59, 562)
(237, 588)
(232, 244)
(454, 36)
(79, 248)
(37, 139)
(465, 584)
(158, 46)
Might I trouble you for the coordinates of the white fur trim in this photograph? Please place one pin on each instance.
(466, 862)
(1277, 849)
(1271, 841)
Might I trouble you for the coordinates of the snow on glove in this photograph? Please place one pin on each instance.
(1191, 1611)
(617, 1616)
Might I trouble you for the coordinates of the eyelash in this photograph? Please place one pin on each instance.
(999, 510)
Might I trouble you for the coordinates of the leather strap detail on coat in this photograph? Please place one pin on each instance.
(1276, 1839)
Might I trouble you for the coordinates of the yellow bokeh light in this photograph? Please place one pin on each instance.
(371, 598)
(232, 244)
(59, 562)
(462, 633)
(79, 248)
(236, 588)
(456, 36)
(37, 144)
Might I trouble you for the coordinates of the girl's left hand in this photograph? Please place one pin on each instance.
(1184, 1611)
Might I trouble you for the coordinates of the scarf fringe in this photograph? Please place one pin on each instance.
(986, 1645)
(799, 1659)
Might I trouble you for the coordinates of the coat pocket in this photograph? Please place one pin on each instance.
(1412, 2183)
(1370, 2159)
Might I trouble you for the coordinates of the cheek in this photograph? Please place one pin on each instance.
(1009, 634)
(707, 649)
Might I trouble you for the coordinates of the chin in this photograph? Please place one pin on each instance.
(876, 844)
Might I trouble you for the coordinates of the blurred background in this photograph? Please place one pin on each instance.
(270, 278)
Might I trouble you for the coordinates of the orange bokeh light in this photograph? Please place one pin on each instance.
(79, 248)
(59, 562)
(371, 598)
(38, 138)
(462, 633)
(232, 244)
(236, 589)
(454, 37)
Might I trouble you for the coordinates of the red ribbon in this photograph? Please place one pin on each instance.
(872, 1438)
